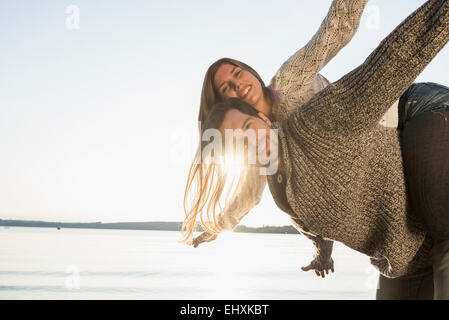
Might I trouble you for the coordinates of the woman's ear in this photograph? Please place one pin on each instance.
(265, 118)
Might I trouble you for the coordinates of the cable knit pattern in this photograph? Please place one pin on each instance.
(298, 77)
(297, 81)
(344, 171)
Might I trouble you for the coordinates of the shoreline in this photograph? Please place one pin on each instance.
(143, 226)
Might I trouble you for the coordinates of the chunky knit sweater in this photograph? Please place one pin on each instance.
(344, 171)
(298, 80)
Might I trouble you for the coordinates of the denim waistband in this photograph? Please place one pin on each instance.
(419, 98)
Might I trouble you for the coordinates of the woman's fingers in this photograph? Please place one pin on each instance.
(307, 268)
(211, 237)
(202, 238)
(265, 118)
(321, 274)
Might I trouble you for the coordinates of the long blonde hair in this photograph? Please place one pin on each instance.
(207, 180)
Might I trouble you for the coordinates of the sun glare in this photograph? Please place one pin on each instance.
(233, 168)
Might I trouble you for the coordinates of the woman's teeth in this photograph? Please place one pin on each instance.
(246, 91)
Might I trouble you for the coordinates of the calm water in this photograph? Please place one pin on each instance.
(44, 263)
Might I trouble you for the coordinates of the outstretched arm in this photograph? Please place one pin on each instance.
(295, 76)
(357, 102)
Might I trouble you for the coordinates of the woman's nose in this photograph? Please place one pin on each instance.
(237, 86)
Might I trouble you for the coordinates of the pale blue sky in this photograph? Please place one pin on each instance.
(99, 123)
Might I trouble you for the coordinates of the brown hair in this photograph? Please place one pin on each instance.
(210, 96)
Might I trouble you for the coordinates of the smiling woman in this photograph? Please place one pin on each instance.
(211, 171)
(342, 174)
(226, 78)
(296, 81)
(232, 81)
(246, 135)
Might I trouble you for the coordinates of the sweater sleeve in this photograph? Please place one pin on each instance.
(246, 196)
(296, 75)
(357, 102)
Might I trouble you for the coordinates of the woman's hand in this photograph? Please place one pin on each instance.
(204, 237)
(321, 269)
(265, 118)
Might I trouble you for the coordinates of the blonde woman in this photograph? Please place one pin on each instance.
(343, 178)
(294, 84)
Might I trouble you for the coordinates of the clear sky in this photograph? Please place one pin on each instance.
(98, 123)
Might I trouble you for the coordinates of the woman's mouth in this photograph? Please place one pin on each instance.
(246, 91)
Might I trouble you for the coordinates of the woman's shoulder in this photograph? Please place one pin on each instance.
(288, 101)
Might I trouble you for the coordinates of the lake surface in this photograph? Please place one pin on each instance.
(45, 263)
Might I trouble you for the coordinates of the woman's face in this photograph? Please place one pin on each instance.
(260, 126)
(231, 81)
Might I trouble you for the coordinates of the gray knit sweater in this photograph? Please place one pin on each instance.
(344, 171)
(296, 82)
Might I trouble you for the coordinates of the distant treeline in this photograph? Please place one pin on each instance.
(163, 226)
(267, 229)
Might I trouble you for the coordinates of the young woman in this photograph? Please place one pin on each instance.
(341, 176)
(294, 84)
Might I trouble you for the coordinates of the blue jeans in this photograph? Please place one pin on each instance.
(420, 98)
(424, 133)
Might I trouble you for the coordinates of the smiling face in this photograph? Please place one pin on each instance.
(235, 119)
(231, 81)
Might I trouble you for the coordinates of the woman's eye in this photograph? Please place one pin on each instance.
(238, 73)
(225, 89)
